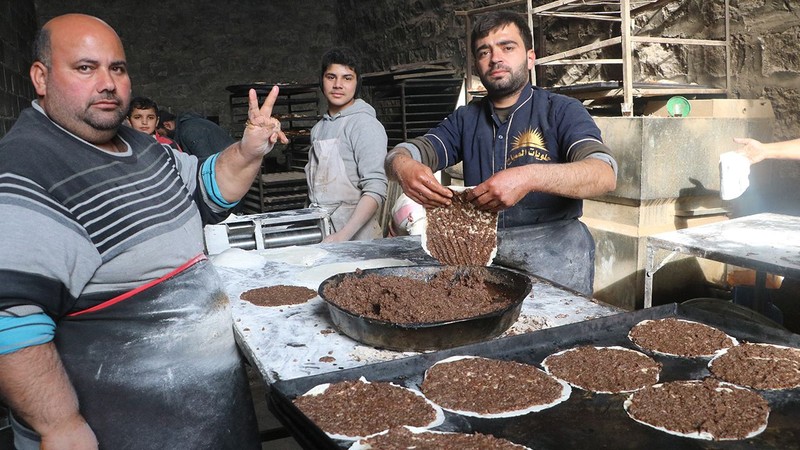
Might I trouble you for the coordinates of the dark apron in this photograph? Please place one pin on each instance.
(158, 367)
(560, 251)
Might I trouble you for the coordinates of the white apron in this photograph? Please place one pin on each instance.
(330, 189)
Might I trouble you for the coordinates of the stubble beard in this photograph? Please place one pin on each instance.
(505, 87)
(102, 121)
(83, 121)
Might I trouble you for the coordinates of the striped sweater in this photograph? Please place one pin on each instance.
(81, 225)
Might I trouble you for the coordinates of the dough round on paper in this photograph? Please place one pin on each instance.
(758, 366)
(278, 295)
(700, 409)
(605, 370)
(679, 337)
(421, 439)
(351, 410)
(491, 388)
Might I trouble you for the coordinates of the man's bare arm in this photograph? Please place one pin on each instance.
(757, 151)
(416, 179)
(35, 386)
(363, 212)
(581, 179)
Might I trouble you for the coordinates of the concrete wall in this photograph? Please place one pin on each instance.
(764, 55)
(668, 181)
(184, 54)
(766, 37)
(17, 28)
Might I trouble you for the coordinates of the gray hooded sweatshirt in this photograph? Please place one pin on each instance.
(363, 146)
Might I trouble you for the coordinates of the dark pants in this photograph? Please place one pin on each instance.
(561, 252)
(24, 439)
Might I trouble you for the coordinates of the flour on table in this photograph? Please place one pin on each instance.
(295, 254)
(526, 324)
(238, 258)
(317, 275)
(770, 238)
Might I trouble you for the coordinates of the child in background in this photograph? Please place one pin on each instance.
(143, 116)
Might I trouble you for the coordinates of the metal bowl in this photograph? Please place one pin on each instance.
(434, 335)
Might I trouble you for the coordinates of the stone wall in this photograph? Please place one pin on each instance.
(17, 29)
(766, 40)
(184, 54)
(764, 58)
(184, 57)
(394, 32)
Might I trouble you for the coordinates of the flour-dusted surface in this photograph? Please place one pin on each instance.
(288, 342)
(295, 255)
(768, 242)
(237, 258)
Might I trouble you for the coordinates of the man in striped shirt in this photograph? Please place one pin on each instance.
(114, 330)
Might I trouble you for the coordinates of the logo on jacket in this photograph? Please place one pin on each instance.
(528, 143)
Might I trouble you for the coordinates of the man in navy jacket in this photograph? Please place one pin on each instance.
(531, 155)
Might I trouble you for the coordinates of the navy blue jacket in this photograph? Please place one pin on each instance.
(542, 128)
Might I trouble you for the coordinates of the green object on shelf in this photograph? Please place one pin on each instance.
(678, 107)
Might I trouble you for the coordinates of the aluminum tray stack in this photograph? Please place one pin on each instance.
(586, 420)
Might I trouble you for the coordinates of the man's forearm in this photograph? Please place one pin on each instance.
(784, 149)
(397, 152)
(363, 212)
(35, 386)
(418, 149)
(235, 172)
(582, 179)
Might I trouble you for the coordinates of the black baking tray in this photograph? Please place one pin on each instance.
(508, 284)
(584, 421)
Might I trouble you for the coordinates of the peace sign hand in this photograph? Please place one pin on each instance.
(262, 130)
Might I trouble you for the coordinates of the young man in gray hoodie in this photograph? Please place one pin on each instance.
(345, 171)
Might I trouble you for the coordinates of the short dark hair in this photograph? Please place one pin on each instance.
(165, 116)
(344, 56)
(142, 103)
(41, 47)
(488, 22)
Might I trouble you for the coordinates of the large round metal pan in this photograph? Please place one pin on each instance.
(437, 335)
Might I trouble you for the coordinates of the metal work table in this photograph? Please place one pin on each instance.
(289, 342)
(766, 243)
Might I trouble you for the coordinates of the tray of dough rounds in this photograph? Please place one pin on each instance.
(585, 420)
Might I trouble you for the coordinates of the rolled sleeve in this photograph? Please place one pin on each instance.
(17, 333)
(446, 140)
